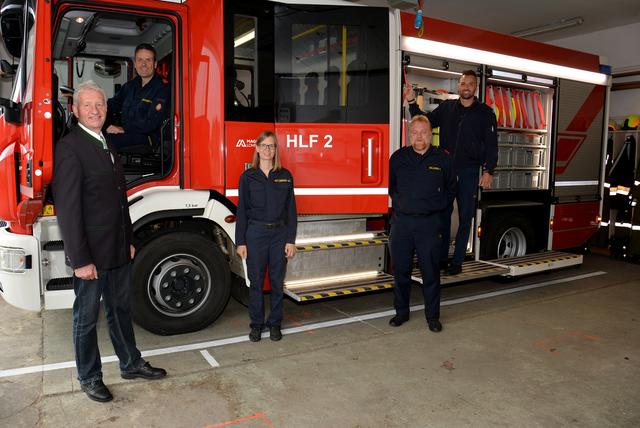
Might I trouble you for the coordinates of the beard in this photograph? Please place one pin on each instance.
(467, 96)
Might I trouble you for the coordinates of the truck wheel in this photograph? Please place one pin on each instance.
(506, 235)
(181, 283)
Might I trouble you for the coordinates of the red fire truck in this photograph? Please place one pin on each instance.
(326, 76)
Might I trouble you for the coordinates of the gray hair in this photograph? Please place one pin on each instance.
(89, 85)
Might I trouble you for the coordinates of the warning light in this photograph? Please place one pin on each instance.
(48, 210)
(551, 224)
(479, 232)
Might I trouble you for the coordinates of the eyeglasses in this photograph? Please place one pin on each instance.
(267, 146)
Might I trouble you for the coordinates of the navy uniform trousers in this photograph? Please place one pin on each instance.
(113, 286)
(265, 247)
(422, 235)
(466, 198)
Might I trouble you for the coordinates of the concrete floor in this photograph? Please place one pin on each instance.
(565, 354)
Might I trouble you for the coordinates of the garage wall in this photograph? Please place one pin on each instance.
(620, 47)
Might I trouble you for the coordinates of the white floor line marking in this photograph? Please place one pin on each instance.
(207, 356)
(315, 326)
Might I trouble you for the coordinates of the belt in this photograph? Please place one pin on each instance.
(267, 225)
(418, 214)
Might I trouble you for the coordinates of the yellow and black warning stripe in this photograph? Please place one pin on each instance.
(464, 274)
(328, 245)
(545, 261)
(346, 292)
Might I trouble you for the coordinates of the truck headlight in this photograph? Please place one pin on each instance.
(14, 260)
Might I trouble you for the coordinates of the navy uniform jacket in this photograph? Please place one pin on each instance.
(91, 203)
(469, 134)
(142, 109)
(421, 184)
(266, 200)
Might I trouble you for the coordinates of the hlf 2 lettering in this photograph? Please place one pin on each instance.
(299, 141)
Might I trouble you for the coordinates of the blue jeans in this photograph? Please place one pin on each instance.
(468, 179)
(113, 285)
(265, 247)
(419, 234)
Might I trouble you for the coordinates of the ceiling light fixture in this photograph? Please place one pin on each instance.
(559, 25)
(454, 73)
(462, 53)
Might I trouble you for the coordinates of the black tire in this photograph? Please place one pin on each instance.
(181, 283)
(505, 235)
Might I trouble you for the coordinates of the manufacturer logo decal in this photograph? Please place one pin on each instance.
(246, 143)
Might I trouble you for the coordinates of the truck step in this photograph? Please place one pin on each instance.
(532, 263)
(57, 284)
(322, 290)
(53, 246)
(514, 266)
(379, 239)
(470, 270)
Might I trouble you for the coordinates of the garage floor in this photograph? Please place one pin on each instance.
(553, 349)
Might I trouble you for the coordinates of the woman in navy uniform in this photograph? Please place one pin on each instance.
(266, 225)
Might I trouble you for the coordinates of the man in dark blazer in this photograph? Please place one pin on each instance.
(91, 204)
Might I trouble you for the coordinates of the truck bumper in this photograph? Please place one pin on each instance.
(20, 287)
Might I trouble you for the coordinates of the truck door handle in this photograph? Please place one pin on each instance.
(370, 172)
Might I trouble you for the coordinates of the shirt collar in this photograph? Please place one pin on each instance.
(475, 102)
(95, 135)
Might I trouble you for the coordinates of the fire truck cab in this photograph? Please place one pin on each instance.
(326, 77)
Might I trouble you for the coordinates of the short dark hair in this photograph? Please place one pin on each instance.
(469, 73)
(146, 47)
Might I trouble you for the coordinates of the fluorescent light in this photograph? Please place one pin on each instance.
(560, 25)
(455, 73)
(246, 37)
(518, 83)
(334, 238)
(506, 74)
(329, 279)
(540, 80)
(446, 50)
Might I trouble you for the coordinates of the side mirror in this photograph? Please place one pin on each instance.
(12, 26)
(11, 111)
(6, 69)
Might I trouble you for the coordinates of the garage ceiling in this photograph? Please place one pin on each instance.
(508, 16)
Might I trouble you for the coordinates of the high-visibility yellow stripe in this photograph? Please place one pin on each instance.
(328, 294)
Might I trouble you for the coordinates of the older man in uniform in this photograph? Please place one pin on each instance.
(141, 103)
(421, 185)
(93, 215)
